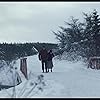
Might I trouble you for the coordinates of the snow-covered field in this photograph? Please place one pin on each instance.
(67, 80)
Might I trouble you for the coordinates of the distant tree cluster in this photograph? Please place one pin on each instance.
(14, 51)
(10, 52)
(80, 39)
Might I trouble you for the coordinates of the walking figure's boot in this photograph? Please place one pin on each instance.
(48, 70)
(43, 71)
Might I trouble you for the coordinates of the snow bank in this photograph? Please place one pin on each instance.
(7, 75)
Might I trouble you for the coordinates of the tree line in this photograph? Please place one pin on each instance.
(14, 51)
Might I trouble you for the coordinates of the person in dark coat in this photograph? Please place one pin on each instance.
(43, 58)
(49, 60)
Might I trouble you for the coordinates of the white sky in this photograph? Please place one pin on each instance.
(34, 21)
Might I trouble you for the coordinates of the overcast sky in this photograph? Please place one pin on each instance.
(34, 21)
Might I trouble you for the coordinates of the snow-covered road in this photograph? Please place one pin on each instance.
(67, 80)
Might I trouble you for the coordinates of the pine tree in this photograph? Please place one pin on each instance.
(92, 33)
(71, 36)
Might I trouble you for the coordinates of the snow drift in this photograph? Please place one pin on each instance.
(8, 76)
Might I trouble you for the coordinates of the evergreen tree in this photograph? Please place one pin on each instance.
(71, 36)
(92, 34)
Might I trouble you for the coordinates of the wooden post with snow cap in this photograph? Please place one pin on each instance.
(94, 63)
(23, 67)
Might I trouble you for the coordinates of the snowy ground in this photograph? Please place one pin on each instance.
(67, 80)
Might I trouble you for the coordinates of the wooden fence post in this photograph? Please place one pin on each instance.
(23, 67)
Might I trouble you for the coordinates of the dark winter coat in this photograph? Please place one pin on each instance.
(49, 60)
(43, 55)
(50, 56)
